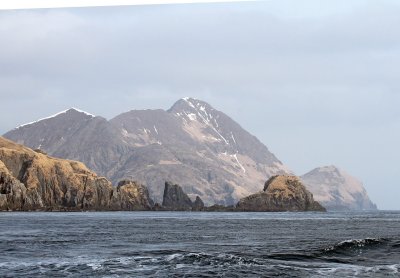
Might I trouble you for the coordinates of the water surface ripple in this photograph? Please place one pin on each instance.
(199, 244)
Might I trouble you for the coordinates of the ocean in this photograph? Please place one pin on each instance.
(199, 244)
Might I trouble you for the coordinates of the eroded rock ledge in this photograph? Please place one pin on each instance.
(32, 180)
(281, 193)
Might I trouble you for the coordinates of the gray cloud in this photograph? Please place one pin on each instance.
(317, 82)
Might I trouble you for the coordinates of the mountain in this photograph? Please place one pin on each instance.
(191, 144)
(198, 147)
(337, 190)
(280, 193)
(75, 135)
(31, 180)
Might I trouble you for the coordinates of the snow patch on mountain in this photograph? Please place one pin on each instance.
(238, 162)
(192, 116)
(196, 116)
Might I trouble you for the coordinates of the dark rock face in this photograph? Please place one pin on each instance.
(281, 193)
(31, 180)
(198, 204)
(268, 182)
(175, 199)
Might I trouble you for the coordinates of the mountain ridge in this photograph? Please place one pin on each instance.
(337, 190)
(191, 143)
(72, 109)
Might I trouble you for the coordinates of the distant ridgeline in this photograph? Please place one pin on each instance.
(192, 144)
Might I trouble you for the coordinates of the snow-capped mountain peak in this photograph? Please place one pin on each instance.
(192, 105)
(70, 110)
(200, 117)
(80, 111)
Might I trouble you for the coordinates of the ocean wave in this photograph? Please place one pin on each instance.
(200, 263)
(366, 252)
(355, 244)
(209, 259)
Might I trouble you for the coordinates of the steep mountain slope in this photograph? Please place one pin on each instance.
(337, 190)
(75, 135)
(192, 144)
(31, 180)
(52, 132)
(223, 135)
(200, 148)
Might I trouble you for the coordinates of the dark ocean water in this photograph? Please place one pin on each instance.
(184, 244)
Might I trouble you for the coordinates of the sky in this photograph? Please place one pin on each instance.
(316, 81)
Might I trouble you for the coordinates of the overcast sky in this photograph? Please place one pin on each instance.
(317, 81)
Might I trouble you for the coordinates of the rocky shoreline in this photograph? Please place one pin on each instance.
(280, 193)
(33, 181)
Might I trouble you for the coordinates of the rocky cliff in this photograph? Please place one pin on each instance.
(32, 180)
(280, 193)
(175, 199)
(337, 190)
(131, 195)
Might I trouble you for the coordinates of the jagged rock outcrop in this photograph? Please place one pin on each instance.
(31, 180)
(12, 192)
(130, 195)
(175, 199)
(280, 193)
(337, 190)
(198, 204)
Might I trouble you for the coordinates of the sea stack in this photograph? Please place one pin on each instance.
(280, 193)
(175, 199)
